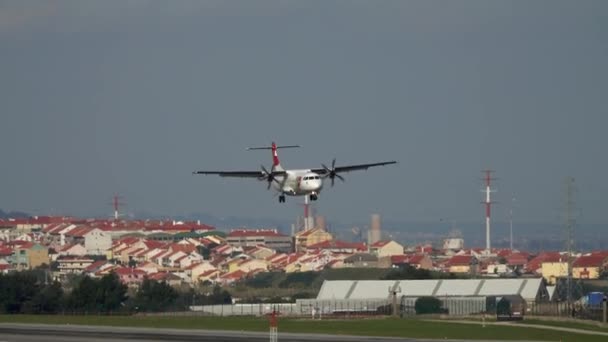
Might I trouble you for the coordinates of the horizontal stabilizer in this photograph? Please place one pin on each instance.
(270, 147)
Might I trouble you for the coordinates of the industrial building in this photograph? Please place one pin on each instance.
(459, 296)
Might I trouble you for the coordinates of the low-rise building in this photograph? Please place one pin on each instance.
(361, 260)
(589, 266)
(28, 255)
(553, 270)
(73, 264)
(386, 248)
(307, 238)
(270, 238)
(462, 264)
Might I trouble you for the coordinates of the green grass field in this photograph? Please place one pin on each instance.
(370, 327)
(584, 325)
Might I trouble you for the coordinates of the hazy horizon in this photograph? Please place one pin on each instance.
(112, 97)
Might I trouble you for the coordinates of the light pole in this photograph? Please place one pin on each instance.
(511, 224)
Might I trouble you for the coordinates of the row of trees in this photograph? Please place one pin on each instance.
(30, 292)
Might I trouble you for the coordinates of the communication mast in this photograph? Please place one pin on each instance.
(488, 204)
(569, 221)
(116, 204)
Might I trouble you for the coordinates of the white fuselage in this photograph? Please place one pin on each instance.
(299, 183)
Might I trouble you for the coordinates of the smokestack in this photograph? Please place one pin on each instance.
(375, 229)
(320, 222)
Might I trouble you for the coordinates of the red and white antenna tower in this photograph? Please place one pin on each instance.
(308, 214)
(488, 204)
(117, 204)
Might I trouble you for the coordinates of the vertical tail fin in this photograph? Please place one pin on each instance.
(275, 156)
(276, 164)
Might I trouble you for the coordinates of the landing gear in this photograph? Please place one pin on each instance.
(282, 199)
(313, 197)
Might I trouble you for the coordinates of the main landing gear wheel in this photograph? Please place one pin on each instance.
(282, 199)
(313, 197)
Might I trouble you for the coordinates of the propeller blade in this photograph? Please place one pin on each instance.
(333, 164)
(341, 178)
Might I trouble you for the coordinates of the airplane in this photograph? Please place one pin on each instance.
(304, 182)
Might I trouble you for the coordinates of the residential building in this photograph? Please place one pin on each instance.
(553, 270)
(307, 238)
(361, 260)
(73, 265)
(270, 238)
(589, 266)
(28, 255)
(386, 248)
(462, 264)
(97, 241)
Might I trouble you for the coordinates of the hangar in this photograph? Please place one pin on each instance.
(459, 296)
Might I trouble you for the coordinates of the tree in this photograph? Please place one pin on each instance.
(111, 293)
(428, 305)
(17, 291)
(154, 296)
(103, 295)
(217, 296)
(48, 300)
(204, 251)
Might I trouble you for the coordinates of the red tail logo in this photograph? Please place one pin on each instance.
(275, 156)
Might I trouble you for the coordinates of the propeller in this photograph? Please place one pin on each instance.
(331, 173)
(268, 176)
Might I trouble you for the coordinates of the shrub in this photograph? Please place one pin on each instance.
(428, 305)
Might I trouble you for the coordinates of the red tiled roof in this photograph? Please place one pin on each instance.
(603, 253)
(536, 262)
(163, 276)
(416, 259)
(151, 244)
(504, 252)
(518, 258)
(79, 231)
(590, 261)
(129, 240)
(399, 259)
(236, 275)
(460, 260)
(5, 251)
(380, 244)
(122, 271)
(94, 266)
(186, 248)
(208, 273)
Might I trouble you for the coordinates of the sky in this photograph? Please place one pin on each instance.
(129, 97)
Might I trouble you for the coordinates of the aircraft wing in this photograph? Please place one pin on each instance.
(349, 168)
(240, 174)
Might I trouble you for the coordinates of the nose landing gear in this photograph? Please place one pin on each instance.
(282, 199)
(313, 197)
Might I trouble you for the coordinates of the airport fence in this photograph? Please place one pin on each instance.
(302, 308)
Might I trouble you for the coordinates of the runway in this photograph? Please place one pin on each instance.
(14, 332)
(72, 333)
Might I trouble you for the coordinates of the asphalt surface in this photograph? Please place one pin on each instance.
(10, 332)
(14, 332)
